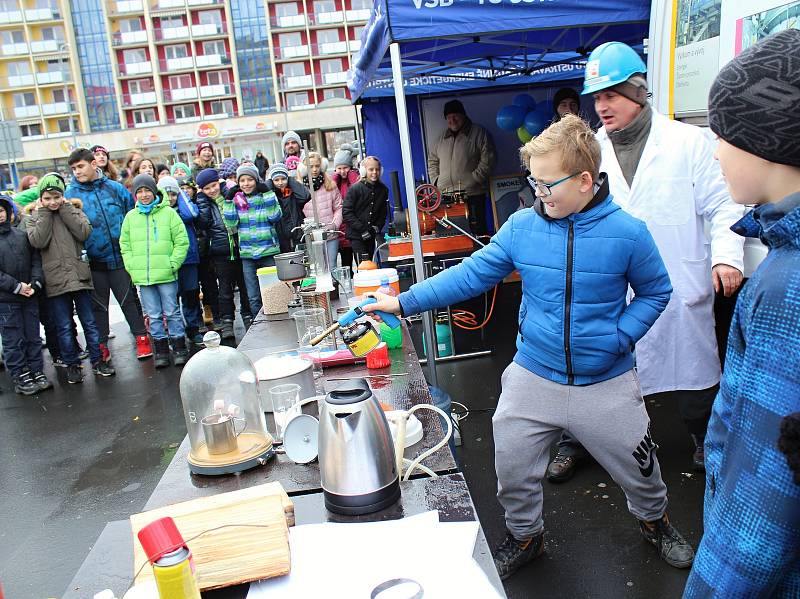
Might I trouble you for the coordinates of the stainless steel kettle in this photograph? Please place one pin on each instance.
(356, 452)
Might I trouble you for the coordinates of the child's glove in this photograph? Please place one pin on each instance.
(292, 162)
(240, 201)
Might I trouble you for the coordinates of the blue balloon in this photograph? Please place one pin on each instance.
(526, 101)
(509, 118)
(535, 122)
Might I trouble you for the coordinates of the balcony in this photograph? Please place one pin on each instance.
(288, 21)
(211, 91)
(176, 64)
(291, 51)
(124, 7)
(331, 78)
(140, 98)
(326, 18)
(50, 77)
(42, 14)
(27, 112)
(14, 49)
(222, 115)
(184, 119)
(146, 124)
(125, 38)
(212, 60)
(180, 94)
(296, 81)
(164, 34)
(330, 48)
(12, 16)
(202, 3)
(21, 80)
(58, 108)
(40, 46)
(355, 45)
(135, 68)
(300, 107)
(362, 14)
(208, 30)
(166, 4)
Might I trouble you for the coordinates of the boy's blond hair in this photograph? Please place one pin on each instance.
(573, 139)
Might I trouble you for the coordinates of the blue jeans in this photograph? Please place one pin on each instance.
(250, 266)
(19, 328)
(162, 299)
(61, 312)
(189, 294)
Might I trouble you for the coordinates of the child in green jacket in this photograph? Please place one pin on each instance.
(154, 244)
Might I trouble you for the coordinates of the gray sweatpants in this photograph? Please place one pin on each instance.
(608, 418)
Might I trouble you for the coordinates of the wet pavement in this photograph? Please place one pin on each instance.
(79, 456)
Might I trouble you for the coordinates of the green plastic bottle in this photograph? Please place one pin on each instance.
(392, 337)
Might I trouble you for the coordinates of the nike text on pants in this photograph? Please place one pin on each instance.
(610, 420)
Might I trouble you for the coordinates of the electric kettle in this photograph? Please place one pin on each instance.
(356, 452)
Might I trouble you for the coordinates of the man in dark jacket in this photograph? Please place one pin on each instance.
(20, 279)
(262, 164)
(365, 208)
(105, 204)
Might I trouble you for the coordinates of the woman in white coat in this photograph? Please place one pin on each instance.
(664, 173)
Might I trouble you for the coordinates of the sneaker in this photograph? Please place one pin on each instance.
(196, 338)
(208, 317)
(699, 455)
(83, 354)
(562, 467)
(59, 363)
(74, 374)
(247, 320)
(105, 353)
(672, 547)
(25, 385)
(42, 381)
(144, 348)
(102, 368)
(112, 335)
(512, 554)
(226, 331)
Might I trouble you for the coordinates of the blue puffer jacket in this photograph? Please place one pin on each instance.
(575, 326)
(751, 544)
(105, 203)
(189, 213)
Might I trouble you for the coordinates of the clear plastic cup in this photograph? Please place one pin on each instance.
(285, 406)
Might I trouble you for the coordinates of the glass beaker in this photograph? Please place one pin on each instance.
(309, 319)
(342, 275)
(285, 406)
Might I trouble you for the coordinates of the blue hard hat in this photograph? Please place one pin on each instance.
(610, 64)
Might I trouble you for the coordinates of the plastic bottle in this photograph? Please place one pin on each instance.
(392, 337)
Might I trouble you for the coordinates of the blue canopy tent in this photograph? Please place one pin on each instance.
(427, 46)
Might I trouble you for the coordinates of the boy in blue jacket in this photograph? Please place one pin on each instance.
(751, 515)
(577, 253)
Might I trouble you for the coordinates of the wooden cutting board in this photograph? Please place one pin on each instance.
(233, 554)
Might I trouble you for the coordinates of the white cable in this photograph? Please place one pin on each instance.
(416, 463)
(422, 467)
(460, 417)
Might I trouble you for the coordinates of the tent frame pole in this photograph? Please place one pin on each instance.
(408, 175)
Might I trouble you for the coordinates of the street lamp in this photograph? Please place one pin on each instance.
(63, 48)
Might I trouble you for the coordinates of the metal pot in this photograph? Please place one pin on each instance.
(279, 369)
(291, 266)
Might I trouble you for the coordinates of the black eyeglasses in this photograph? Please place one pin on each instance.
(546, 189)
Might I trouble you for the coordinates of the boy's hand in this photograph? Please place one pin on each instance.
(726, 279)
(26, 290)
(385, 303)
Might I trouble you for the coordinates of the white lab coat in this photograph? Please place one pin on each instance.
(677, 186)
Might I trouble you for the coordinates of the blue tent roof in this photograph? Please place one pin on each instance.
(489, 40)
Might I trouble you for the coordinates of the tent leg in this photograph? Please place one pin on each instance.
(408, 172)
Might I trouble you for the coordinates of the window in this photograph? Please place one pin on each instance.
(211, 17)
(130, 25)
(297, 99)
(63, 125)
(8, 6)
(140, 86)
(17, 69)
(253, 53)
(333, 65)
(286, 9)
(219, 78)
(31, 130)
(361, 4)
(294, 69)
(221, 107)
(327, 36)
(180, 81)
(24, 99)
(171, 22)
(214, 47)
(15, 36)
(53, 34)
(134, 56)
(287, 40)
(148, 115)
(185, 111)
(180, 51)
(357, 32)
(59, 96)
(336, 92)
(321, 6)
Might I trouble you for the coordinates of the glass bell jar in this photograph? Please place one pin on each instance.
(222, 408)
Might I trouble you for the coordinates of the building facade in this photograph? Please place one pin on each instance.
(160, 75)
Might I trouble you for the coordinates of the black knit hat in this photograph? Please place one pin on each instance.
(454, 107)
(754, 103)
(563, 94)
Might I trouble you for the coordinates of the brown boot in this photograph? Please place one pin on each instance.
(562, 467)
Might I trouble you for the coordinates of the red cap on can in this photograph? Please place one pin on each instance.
(159, 538)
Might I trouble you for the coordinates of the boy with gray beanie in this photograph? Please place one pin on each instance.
(293, 153)
(751, 544)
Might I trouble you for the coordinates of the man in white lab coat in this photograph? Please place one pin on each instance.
(663, 172)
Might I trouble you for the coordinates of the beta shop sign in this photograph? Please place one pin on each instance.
(205, 130)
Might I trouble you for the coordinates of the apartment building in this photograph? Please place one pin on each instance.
(163, 74)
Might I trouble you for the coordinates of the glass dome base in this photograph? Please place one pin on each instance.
(253, 450)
